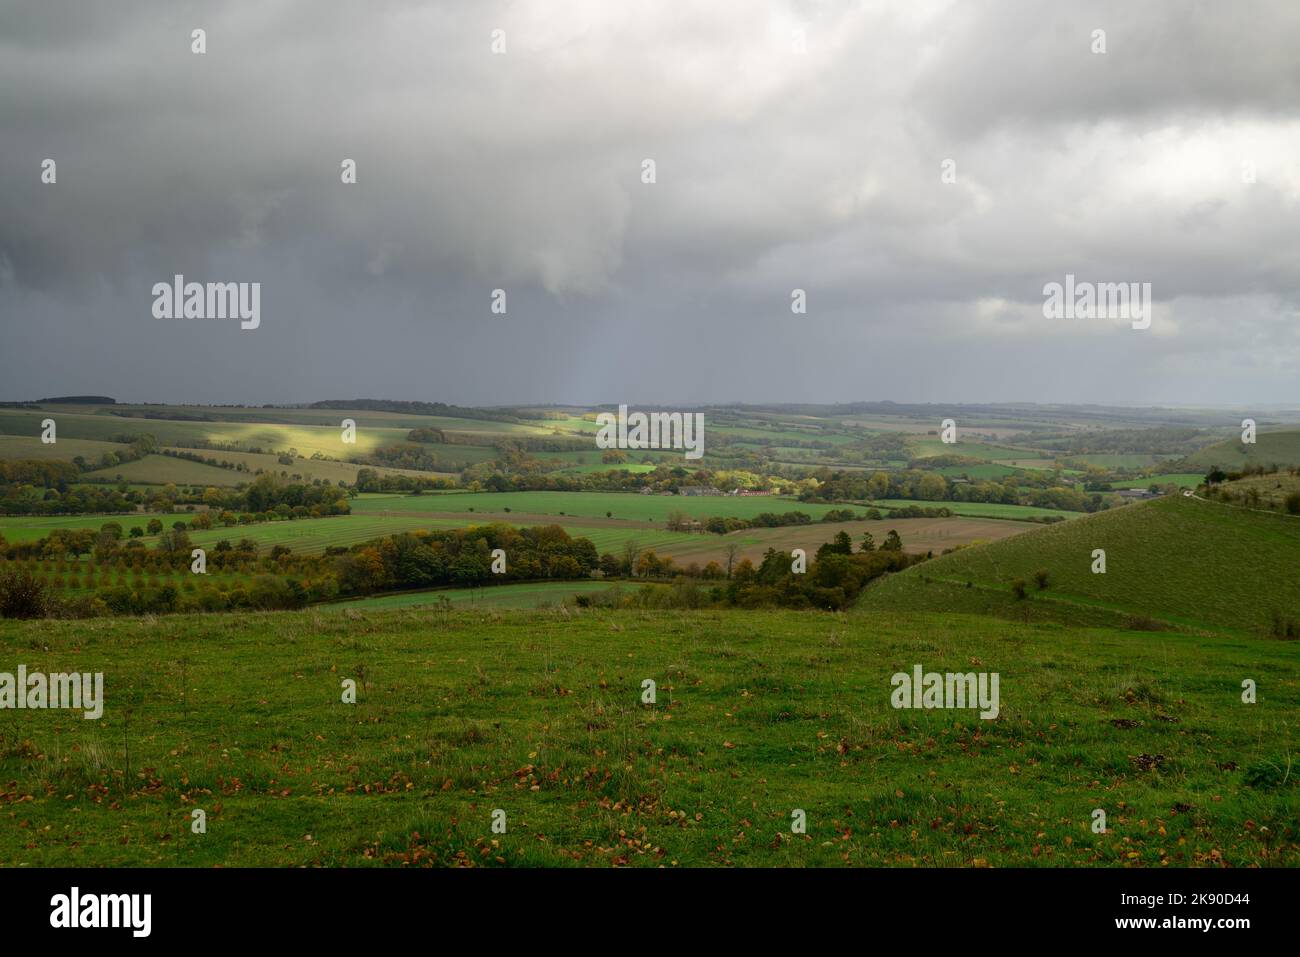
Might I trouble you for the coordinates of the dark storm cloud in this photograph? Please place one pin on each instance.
(776, 169)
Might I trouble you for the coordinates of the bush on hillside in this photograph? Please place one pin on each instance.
(1285, 627)
(1142, 623)
(22, 594)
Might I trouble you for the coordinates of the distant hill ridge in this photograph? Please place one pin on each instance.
(416, 408)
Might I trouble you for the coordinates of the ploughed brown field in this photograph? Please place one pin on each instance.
(919, 535)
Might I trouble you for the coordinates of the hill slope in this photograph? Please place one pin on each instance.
(1180, 560)
(1270, 448)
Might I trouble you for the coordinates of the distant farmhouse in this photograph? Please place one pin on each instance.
(698, 490)
(1136, 494)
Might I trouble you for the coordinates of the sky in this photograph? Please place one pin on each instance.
(920, 170)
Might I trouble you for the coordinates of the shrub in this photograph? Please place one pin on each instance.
(1265, 775)
(1020, 589)
(1041, 578)
(1142, 623)
(22, 595)
(1285, 627)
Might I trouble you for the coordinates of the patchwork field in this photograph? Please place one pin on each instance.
(472, 700)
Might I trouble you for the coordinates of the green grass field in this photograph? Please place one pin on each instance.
(164, 469)
(585, 463)
(978, 509)
(64, 449)
(1121, 461)
(514, 595)
(313, 536)
(925, 447)
(539, 715)
(1040, 464)
(21, 528)
(624, 505)
(1194, 564)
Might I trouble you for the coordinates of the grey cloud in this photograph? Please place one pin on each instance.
(776, 170)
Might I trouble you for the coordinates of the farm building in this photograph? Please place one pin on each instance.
(1136, 494)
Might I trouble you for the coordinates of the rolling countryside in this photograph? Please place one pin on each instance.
(1118, 689)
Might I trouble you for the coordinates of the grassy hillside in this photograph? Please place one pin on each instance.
(164, 469)
(1275, 491)
(1270, 448)
(30, 446)
(976, 450)
(539, 715)
(1191, 563)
